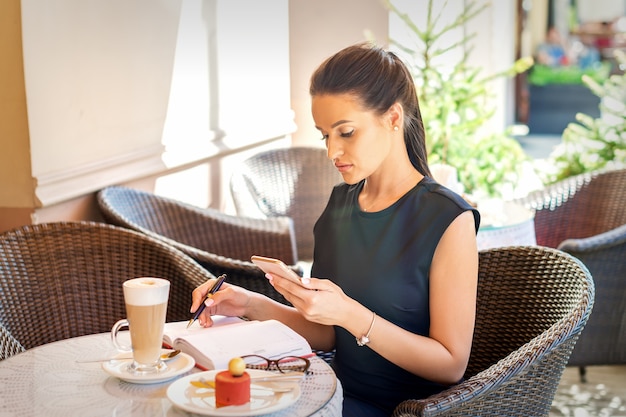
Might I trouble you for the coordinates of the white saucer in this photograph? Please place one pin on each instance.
(202, 400)
(175, 367)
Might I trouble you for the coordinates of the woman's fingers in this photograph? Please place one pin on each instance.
(199, 294)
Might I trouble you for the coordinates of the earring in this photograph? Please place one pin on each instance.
(395, 128)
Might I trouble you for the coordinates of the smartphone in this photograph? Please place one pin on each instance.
(275, 266)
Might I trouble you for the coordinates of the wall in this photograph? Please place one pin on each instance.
(317, 29)
(97, 87)
(96, 79)
(16, 195)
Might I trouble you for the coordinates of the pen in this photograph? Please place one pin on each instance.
(213, 290)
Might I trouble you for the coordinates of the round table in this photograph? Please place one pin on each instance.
(51, 380)
(505, 223)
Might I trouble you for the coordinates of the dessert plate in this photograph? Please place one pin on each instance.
(175, 367)
(199, 400)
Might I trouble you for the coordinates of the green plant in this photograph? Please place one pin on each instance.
(593, 144)
(456, 104)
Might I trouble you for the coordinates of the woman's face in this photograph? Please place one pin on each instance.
(357, 139)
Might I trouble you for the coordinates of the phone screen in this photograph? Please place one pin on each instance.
(275, 266)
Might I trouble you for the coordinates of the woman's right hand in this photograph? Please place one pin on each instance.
(230, 300)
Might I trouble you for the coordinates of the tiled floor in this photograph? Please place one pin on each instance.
(615, 376)
(604, 393)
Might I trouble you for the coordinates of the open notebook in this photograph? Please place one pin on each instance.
(229, 337)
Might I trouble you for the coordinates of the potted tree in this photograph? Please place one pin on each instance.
(456, 103)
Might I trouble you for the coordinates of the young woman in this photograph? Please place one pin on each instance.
(395, 264)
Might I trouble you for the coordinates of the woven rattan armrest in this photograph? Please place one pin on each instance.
(497, 391)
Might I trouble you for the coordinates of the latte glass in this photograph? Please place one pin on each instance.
(146, 308)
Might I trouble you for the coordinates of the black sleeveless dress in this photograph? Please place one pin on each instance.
(382, 260)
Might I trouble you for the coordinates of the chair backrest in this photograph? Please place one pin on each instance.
(9, 345)
(219, 242)
(193, 229)
(61, 280)
(580, 206)
(603, 342)
(294, 182)
(532, 304)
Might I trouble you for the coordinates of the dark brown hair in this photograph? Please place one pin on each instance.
(379, 79)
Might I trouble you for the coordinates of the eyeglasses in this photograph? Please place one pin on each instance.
(285, 364)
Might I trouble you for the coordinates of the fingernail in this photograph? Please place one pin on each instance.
(268, 276)
(305, 280)
(209, 302)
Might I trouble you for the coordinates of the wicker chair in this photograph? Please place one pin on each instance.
(294, 182)
(219, 242)
(61, 280)
(585, 215)
(532, 304)
(9, 345)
